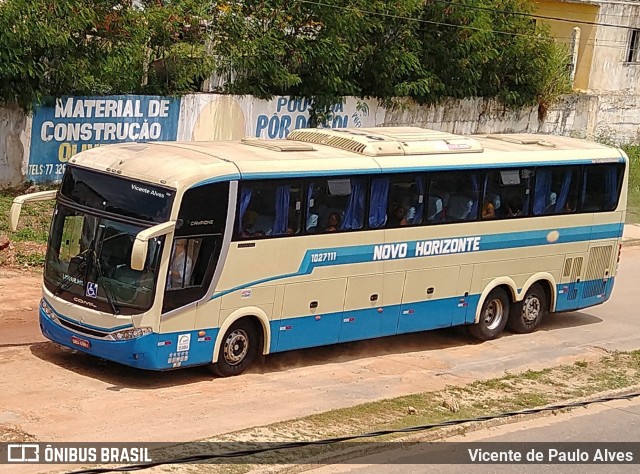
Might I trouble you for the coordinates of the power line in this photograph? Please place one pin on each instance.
(468, 27)
(418, 20)
(533, 15)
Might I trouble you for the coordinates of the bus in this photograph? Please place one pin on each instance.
(176, 254)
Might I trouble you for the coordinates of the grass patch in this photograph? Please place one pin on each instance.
(28, 243)
(633, 200)
(530, 389)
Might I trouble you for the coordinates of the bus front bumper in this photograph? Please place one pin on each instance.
(139, 352)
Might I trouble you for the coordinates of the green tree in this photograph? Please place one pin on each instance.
(319, 50)
(85, 47)
(488, 48)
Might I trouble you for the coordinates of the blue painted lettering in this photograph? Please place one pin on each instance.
(281, 102)
(261, 124)
(301, 121)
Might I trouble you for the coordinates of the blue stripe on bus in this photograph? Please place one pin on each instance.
(365, 253)
(310, 174)
(495, 165)
(217, 179)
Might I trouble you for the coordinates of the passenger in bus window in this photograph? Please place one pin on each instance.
(333, 224)
(180, 267)
(397, 218)
(488, 210)
(571, 204)
(514, 207)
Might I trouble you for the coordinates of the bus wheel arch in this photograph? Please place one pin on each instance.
(243, 336)
(526, 315)
(548, 283)
(492, 312)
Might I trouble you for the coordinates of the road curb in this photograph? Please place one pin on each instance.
(631, 243)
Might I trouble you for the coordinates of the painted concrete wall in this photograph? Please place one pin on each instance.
(610, 71)
(618, 118)
(603, 50)
(14, 146)
(574, 115)
(613, 117)
(562, 31)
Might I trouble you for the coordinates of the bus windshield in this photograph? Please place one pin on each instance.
(88, 262)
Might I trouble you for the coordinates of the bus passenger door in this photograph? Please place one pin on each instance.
(464, 301)
(429, 300)
(311, 314)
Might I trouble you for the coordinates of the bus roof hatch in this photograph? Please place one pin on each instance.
(277, 145)
(388, 141)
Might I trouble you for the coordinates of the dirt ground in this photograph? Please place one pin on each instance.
(19, 296)
(49, 393)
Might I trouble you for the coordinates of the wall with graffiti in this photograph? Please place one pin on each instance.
(37, 147)
(74, 124)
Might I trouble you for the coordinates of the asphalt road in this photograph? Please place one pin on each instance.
(612, 422)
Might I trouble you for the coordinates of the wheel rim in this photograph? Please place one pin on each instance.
(236, 347)
(493, 314)
(531, 309)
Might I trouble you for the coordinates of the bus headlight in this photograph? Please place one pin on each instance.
(126, 334)
(46, 309)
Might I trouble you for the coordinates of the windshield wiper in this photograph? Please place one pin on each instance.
(100, 275)
(64, 284)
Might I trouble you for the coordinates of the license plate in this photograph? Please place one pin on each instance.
(80, 342)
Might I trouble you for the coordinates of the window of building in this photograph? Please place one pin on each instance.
(633, 53)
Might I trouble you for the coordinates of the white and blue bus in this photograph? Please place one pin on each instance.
(166, 255)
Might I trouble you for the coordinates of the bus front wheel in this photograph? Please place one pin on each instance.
(526, 315)
(493, 316)
(237, 350)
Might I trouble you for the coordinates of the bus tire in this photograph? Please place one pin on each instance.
(237, 350)
(493, 316)
(527, 314)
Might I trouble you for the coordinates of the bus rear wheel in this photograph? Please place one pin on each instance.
(238, 349)
(493, 316)
(527, 314)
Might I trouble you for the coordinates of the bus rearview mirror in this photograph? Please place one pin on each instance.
(141, 243)
(16, 206)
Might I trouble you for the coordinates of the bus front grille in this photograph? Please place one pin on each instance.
(82, 329)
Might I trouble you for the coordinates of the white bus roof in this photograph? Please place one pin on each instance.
(309, 152)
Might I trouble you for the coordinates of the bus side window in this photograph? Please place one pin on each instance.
(507, 193)
(555, 190)
(268, 208)
(601, 187)
(460, 201)
(339, 204)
